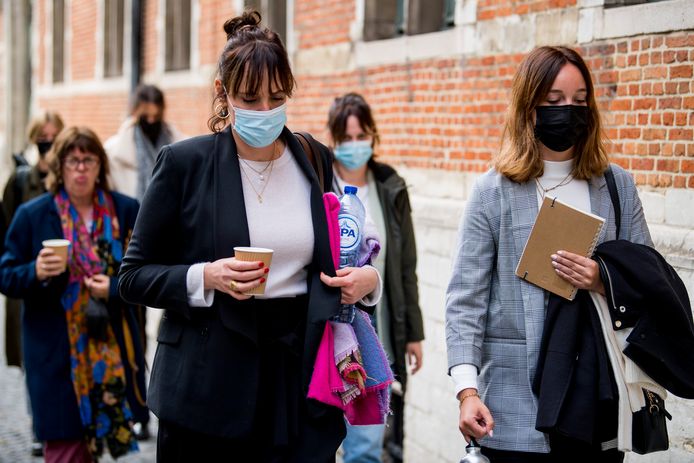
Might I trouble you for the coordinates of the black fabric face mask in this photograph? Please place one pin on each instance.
(43, 146)
(150, 129)
(560, 127)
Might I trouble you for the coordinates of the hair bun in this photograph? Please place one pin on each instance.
(250, 19)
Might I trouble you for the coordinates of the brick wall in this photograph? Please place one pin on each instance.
(489, 9)
(646, 89)
(102, 113)
(150, 34)
(82, 44)
(213, 13)
(323, 22)
(39, 34)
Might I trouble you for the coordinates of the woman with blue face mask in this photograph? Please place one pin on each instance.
(231, 372)
(397, 317)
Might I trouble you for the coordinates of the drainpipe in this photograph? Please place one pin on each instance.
(135, 45)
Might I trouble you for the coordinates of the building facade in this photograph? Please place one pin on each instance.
(437, 74)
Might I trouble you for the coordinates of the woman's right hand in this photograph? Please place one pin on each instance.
(48, 264)
(475, 419)
(234, 277)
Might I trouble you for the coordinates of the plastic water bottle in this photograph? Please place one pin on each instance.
(351, 222)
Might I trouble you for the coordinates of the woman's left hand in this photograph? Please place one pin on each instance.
(580, 271)
(98, 286)
(414, 356)
(355, 282)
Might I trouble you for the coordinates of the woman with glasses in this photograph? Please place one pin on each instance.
(86, 385)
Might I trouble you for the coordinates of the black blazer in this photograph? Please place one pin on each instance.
(205, 372)
(644, 292)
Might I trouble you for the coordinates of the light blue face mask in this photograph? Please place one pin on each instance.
(260, 128)
(353, 154)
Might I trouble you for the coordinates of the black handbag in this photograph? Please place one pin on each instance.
(649, 428)
(97, 319)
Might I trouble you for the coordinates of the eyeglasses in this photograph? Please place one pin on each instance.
(89, 162)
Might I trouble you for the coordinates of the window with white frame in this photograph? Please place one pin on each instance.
(274, 13)
(114, 16)
(178, 35)
(58, 41)
(385, 19)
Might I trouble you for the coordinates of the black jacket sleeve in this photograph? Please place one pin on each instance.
(149, 274)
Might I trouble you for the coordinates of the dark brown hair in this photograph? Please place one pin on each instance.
(251, 52)
(83, 140)
(351, 104)
(520, 159)
(145, 93)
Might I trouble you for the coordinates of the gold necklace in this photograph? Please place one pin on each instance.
(259, 194)
(260, 172)
(543, 191)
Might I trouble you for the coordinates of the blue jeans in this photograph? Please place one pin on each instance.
(363, 444)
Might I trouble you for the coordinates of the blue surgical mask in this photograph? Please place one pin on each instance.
(353, 154)
(260, 128)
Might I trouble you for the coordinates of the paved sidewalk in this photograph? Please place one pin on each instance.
(15, 424)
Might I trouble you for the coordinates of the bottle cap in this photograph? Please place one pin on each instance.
(350, 190)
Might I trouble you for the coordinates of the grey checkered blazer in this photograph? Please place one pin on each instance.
(494, 319)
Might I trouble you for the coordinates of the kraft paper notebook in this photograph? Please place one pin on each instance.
(558, 226)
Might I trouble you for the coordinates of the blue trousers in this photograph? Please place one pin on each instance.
(363, 444)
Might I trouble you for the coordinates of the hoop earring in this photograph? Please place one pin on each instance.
(223, 112)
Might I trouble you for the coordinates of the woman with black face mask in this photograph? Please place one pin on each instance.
(552, 145)
(133, 150)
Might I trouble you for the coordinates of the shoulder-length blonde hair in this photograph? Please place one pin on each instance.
(39, 121)
(519, 158)
(83, 140)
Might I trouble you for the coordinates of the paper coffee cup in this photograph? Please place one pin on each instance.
(250, 254)
(60, 247)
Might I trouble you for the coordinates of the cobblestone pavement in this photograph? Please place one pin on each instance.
(15, 423)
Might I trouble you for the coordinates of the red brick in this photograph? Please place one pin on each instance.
(654, 134)
(680, 118)
(679, 41)
(630, 133)
(642, 163)
(680, 134)
(670, 103)
(687, 166)
(620, 105)
(630, 75)
(684, 71)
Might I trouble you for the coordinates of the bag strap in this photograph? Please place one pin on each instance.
(614, 196)
(308, 143)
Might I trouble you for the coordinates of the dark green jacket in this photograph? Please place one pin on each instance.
(400, 282)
